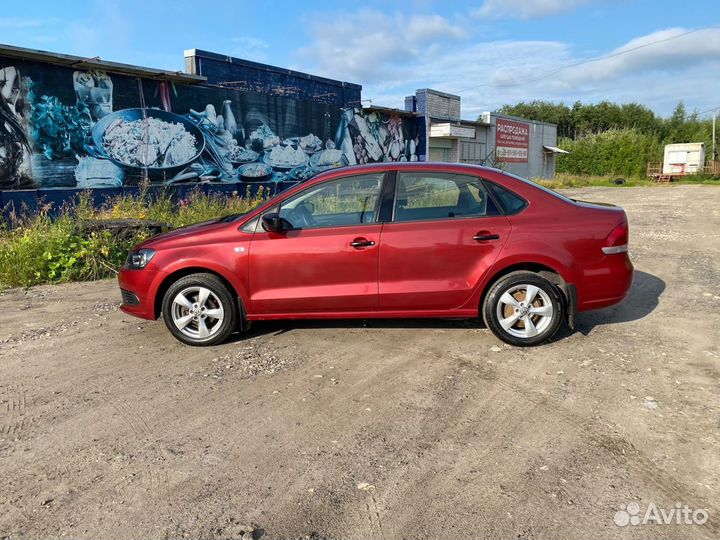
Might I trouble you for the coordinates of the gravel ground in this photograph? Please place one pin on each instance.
(109, 428)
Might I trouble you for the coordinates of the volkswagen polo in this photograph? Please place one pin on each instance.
(388, 240)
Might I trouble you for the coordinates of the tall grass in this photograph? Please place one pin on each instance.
(567, 180)
(163, 207)
(52, 247)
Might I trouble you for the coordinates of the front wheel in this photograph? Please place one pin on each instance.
(523, 308)
(200, 310)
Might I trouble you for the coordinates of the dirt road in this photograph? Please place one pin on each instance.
(111, 429)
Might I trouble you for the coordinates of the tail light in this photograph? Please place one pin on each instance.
(617, 240)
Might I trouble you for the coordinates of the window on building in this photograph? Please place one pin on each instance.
(440, 154)
(471, 152)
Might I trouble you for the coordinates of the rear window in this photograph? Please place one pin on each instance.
(511, 203)
(538, 186)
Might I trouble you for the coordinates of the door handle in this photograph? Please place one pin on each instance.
(487, 236)
(361, 242)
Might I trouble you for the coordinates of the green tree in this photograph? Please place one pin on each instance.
(611, 138)
(622, 152)
(584, 119)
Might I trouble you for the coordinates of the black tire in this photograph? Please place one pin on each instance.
(543, 323)
(221, 301)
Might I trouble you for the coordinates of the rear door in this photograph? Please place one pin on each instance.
(445, 234)
(329, 261)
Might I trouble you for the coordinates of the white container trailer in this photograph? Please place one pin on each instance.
(683, 158)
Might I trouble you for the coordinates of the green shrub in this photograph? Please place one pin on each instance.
(620, 152)
(37, 249)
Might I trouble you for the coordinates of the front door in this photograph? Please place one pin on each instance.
(328, 262)
(445, 234)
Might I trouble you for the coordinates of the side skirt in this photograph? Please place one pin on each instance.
(429, 314)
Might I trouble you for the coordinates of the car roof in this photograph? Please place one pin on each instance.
(436, 166)
(409, 166)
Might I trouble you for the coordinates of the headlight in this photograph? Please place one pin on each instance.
(139, 258)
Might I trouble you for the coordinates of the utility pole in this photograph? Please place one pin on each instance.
(714, 153)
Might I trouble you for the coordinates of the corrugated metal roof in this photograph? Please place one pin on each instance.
(68, 60)
(555, 150)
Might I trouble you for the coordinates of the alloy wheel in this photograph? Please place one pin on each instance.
(524, 311)
(197, 312)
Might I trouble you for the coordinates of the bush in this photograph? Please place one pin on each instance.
(615, 139)
(38, 248)
(622, 152)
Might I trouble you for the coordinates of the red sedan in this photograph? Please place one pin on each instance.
(388, 240)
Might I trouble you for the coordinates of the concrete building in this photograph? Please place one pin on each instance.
(524, 147)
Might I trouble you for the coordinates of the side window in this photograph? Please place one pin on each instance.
(250, 226)
(427, 196)
(511, 203)
(346, 201)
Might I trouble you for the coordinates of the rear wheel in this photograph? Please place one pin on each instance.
(200, 310)
(523, 308)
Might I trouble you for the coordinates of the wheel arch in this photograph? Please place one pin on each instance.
(173, 276)
(550, 272)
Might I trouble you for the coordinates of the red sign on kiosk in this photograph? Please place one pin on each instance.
(511, 140)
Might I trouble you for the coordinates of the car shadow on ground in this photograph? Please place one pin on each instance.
(642, 299)
(266, 328)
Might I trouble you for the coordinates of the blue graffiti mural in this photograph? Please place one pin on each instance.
(67, 128)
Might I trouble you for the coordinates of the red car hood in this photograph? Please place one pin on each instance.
(189, 230)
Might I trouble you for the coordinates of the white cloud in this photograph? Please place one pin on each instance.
(372, 46)
(658, 69)
(424, 28)
(525, 9)
(250, 48)
(668, 51)
(487, 74)
(481, 73)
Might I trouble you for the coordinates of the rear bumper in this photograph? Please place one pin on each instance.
(138, 289)
(606, 283)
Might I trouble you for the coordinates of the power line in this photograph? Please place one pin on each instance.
(707, 111)
(591, 60)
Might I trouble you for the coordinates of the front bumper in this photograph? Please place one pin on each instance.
(138, 290)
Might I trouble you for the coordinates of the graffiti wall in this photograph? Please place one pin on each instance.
(68, 128)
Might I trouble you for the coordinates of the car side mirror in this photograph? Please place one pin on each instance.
(272, 222)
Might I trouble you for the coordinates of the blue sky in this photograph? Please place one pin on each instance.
(491, 52)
